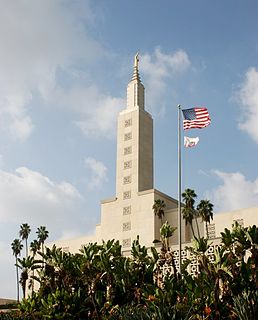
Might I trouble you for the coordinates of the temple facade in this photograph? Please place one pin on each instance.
(129, 213)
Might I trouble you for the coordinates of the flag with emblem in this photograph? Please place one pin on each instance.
(190, 142)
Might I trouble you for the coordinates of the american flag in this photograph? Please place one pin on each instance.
(196, 118)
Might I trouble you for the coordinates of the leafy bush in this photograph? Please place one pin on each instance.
(101, 283)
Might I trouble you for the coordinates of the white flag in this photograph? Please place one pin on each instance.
(190, 142)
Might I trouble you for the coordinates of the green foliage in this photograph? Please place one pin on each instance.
(246, 306)
(16, 248)
(204, 210)
(24, 234)
(42, 236)
(101, 283)
(8, 306)
(166, 231)
(159, 208)
(189, 212)
(11, 315)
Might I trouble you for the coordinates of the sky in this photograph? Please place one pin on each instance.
(64, 68)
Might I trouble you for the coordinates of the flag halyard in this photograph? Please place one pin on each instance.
(196, 118)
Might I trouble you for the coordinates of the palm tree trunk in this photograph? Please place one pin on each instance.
(32, 285)
(24, 290)
(17, 281)
(192, 229)
(43, 258)
(26, 245)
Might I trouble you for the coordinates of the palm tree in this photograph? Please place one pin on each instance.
(24, 234)
(25, 264)
(189, 196)
(34, 247)
(159, 209)
(205, 210)
(166, 231)
(189, 212)
(42, 236)
(167, 255)
(17, 247)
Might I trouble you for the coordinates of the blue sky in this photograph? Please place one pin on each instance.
(64, 68)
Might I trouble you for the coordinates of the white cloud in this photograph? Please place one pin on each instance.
(248, 96)
(157, 68)
(38, 38)
(98, 172)
(236, 192)
(97, 112)
(29, 196)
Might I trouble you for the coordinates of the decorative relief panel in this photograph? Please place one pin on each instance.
(193, 267)
(126, 210)
(126, 226)
(126, 243)
(127, 150)
(211, 231)
(127, 164)
(128, 123)
(127, 179)
(127, 195)
(128, 136)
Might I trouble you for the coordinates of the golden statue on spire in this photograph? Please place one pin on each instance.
(136, 60)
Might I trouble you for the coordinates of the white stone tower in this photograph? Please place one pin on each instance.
(134, 171)
(130, 213)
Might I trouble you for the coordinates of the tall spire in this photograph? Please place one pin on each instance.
(135, 89)
(136, 75)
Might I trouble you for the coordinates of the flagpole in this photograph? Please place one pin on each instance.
(179, 189)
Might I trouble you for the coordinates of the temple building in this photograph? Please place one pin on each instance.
(129, 213)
